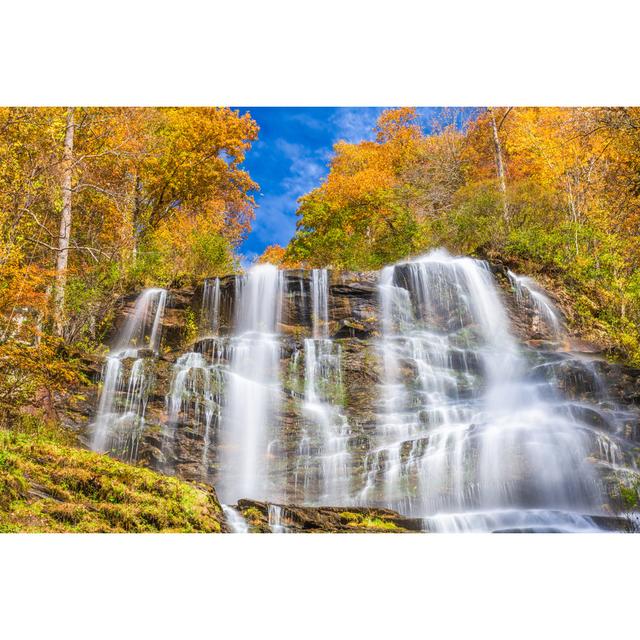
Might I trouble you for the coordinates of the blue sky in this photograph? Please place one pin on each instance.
(291, 157)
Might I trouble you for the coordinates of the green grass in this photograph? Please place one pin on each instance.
(48, 486)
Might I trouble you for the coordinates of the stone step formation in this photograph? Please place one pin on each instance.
(442, 389)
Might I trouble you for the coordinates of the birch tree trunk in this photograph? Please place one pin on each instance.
(65, 226)
(500, 166)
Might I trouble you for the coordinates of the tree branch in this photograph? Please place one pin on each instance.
(91, 250)
(506, 113)
(95, 187)
(33, 215)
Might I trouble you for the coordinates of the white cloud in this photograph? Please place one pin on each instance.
(306, 166)
(275, 220)
(309, 121)
(354, 124)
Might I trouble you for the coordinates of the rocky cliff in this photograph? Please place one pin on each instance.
(184, 439)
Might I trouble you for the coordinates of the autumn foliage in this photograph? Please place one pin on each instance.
(277, 255)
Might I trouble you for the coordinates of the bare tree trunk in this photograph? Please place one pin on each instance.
(500, 165)
(137, 207)
(65, 226)
(574, 215)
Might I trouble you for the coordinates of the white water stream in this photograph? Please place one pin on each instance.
(467, 437)
(234, 519)
(325, 473)
(119, 420)
(253, 387)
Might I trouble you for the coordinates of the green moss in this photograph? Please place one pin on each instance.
(365, 521)
(629, 496)
(347, 517)
(379, 523)
(252, 515)
(46, 486)
(190, 330)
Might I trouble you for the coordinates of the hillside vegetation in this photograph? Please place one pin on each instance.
(47, 485)
(98, 202)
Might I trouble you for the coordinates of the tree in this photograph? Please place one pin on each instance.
(502, 178)
(277, 255)
(549, 190)
(84, 192)
(190, 160)
(65, 225)
(361, 216)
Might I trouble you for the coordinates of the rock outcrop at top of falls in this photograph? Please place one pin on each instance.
(440, 388)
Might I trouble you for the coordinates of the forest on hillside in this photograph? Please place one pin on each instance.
(96, 203)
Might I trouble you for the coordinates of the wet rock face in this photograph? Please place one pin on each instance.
(352, 305)
(191, 450)
(176, 319)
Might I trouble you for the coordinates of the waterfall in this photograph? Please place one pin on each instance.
(529, 296)
(196, 388)
(111, 383)
(465, 433)
(274, 514)
(210, 309)
(253, 386)
(195, 396)
(320, 303)
(142, 329)
(325, 472)
(438, 412)
(119, 421)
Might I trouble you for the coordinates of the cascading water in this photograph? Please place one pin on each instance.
(119, 420)
(441, 414)
(234, 519)
(253, 387)
(467, 435)
(196, 389)
(274, 514)
(529, 295)
(210, 310)
(325, 474)
(320, 302)
(195, 396)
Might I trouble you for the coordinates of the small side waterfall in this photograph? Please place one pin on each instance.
(195, 397)
(197, 385)
(234, 519)
(253, 386)
(143, 327)
(322, 407)
(529, 295)
(274, 514)
(210, 310)
(320, 303)
(127, 377)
